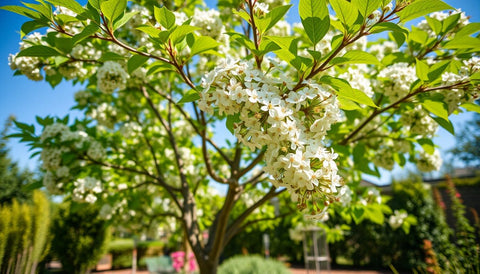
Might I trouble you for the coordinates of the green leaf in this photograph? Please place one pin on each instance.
(38, 51)
(65, 44)
(95, 4)
(468, 29)
(191, 96)
(22, 11)
(180, 32)
(421, 69)
(69, 4)
(421, 8)
(60, 60)
(358, 213)
(418, 35)
(25, 127)
(434, 24)
(437, 69)
(242, 14)
(135, 62)
(345, 11)
(398, 37)
(346, 104)
(427, 145)
(113, 9)
(463, 42)
(356, 96)
(446, 124)
(366, 7)
(30, 26)
(388, 26)
(400, 159)
(315, 19)
(153, 32)
(44, 9)
(86, 32)
(375, 214)
(111, 56)
(450, 22)
(272, 17)
(54, 79)
(471, 107)
(165, 17)
(344, 90)
(438, 108)
(231, 120)
(203, 43)
(122, 21)
(32, 186)
(356, 57)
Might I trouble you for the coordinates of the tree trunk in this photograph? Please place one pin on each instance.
(208, 266)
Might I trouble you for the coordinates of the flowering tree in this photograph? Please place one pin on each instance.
(313, 107)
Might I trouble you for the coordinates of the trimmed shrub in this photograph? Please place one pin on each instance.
(252, 265)
(121, 250)
(80, 237)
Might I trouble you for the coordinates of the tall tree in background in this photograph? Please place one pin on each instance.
(467, 146)
(12, 178)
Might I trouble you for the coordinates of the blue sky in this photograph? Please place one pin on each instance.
(25, 98)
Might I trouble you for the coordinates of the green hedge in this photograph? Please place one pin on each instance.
(121, 251)
(80, 236)
(252, 265)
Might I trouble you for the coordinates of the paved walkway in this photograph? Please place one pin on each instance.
(294, 271)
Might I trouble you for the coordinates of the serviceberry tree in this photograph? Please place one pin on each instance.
(313, 105)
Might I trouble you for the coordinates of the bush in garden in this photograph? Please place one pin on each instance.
(24, 234)
(80, 236)
(314, 108)
(466, 241)
(121, 251)
(374, 244)
(252, 264)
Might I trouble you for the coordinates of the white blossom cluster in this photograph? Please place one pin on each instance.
(73, 70)
(357, 80)
(111, 76)
(281, 28)
(275, 3)
(82, 97)
(418, 122)
(380, 50)
(429, 162)
(58, 139)
(211, 24)
(105, 115)
(72, 27)
(291, 124)
(440, 16)
(398, 78)
(28, 66)
(397, 219)
(454, 97)
(188, 159)
(384, 158)
(85, 190)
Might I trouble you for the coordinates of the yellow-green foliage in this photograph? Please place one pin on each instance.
(23, 234)
(5, 216)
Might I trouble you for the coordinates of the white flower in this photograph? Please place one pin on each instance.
(429, 162)
(397, 80)
(111, 76)
(396, 220)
